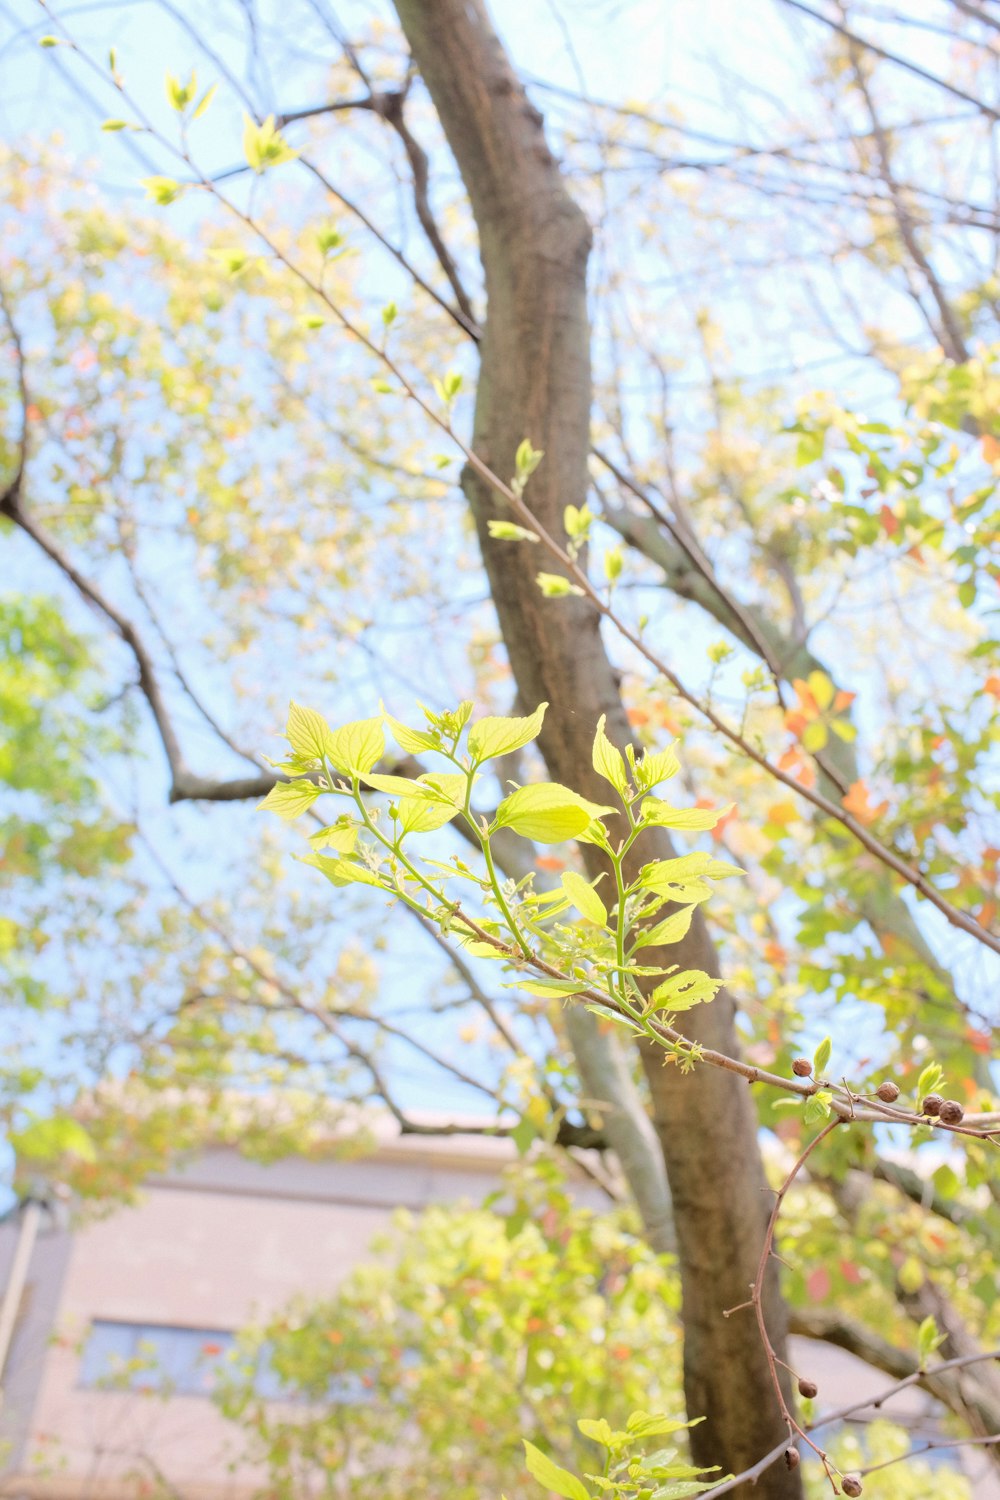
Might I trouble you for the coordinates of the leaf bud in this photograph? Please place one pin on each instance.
(792, 1459)
(950, 1112)
(888, 1092)
(808, 1388)
(931, 1105)
(802, 1067)
(851, 1484)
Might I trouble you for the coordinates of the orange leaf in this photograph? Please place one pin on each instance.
(889, 520)
(992, 686)
(858, 802)
(991, 449)
(550, 862)
(843, 700)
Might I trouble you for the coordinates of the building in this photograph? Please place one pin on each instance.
(207, 1249)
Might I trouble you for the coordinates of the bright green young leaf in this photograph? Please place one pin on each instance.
(817, 1107)
(549, 987)
(644, 1424)
(586, 900)
(547, 812)
(655, 767)
(931, 1078)
(609, 762)
(413, 741)
(662, 873)
(357, 747)
(821, 1057)
(685, 990)
(289, 799)
(558, 1481)
(928, 1339)
(692, 819)
(340, 871)
(341, 837)
(424, 814)
(670, 930)
(263, 145)
(598, 1432)
(308, 733)
(398, 786)
(497, 736)
(509, 531)
(47, 1140)
(555, 586)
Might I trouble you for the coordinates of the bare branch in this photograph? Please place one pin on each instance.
(892, 57)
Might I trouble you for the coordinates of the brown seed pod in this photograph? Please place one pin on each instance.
(802, 1067)
(931, 1105)
(808, 1388)
(792, 1459)
(951, 1112)
(851, 1484)
(888, 1092)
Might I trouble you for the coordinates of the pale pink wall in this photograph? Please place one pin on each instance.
(224, 1242)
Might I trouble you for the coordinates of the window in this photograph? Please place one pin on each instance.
(153, 1357)
(186, 1362)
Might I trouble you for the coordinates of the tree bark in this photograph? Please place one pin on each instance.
(535, 383)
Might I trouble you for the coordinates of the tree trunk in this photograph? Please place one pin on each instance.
(535, 383)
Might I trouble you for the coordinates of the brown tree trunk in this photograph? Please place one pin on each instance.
(535, 383)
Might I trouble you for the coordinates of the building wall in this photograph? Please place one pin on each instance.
(215, 1247)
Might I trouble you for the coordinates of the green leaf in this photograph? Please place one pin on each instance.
(663, 874)
(204, 102)
(585, 898)
(656, 767)
(339, 836)
(694, 819)
(412, 740)
(609, 762)
(558, 1481)
(670, 930)
(340, 871)
(497, 736)
(263, 145)
(424, 815)
(643, 1424)
(547, 812)
(821, 1057)
(928, 1340)
(308, 733)
(555, 586)
(162, 190)
(111, 125)
(398, 786)
(814, 736)
(526, 460)
(289, 799)
(509, 531)
(817, 1107)
(357, 746)
(599, 1431)
(685, 990)
(930, 1079)
(548, 987)
(523, 1135)
(47, 1140)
